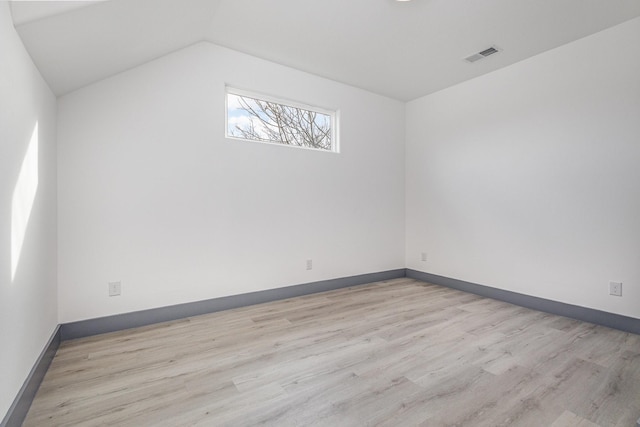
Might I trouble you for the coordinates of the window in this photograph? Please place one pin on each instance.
(258, 118)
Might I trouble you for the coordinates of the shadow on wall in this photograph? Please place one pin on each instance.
(24, 195)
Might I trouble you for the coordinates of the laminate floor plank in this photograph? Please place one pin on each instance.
(398, 352)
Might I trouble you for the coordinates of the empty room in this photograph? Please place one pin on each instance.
(320, 213)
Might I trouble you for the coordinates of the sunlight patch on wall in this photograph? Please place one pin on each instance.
(24, 195)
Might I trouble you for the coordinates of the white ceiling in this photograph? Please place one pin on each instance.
(403, 50)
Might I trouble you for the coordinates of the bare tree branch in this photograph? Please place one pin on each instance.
(273, 122)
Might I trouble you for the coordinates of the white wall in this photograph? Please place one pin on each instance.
(28, 313)
(153, 195)
(528, 178)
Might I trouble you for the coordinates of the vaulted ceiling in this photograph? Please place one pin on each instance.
(403, 50)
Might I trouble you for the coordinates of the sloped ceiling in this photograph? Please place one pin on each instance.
(403, 50)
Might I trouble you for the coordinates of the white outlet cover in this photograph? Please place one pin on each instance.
(615, 288)
(115, 288)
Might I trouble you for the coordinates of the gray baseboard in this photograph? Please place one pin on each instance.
(135, 319)
(123, 321)
(21, 404)
(611, 320)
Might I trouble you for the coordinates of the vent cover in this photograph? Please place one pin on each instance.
(482, 54)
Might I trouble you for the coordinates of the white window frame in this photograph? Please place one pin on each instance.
(333, 114)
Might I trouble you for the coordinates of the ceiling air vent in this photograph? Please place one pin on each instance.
(482, 54)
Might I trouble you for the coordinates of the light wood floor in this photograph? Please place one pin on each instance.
(396, 353)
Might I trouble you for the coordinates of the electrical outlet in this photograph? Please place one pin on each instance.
(615, 288)
(115, 288)
(423, 257)
(309, 264)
